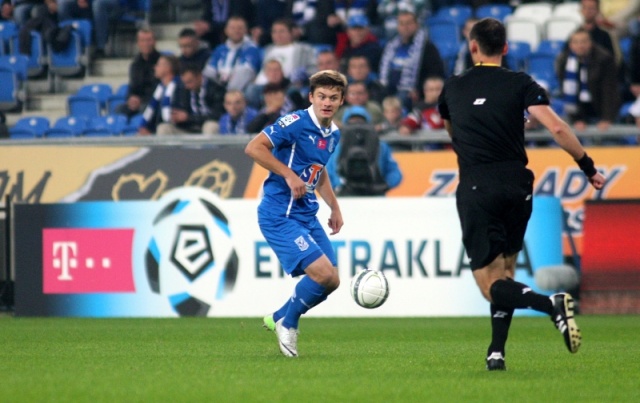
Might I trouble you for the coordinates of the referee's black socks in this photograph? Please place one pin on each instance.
(511, 294)
(500, 323)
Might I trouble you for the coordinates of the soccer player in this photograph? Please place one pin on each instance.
(483, 110)
(295, 150)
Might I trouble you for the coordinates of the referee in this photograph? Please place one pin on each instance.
(483, 111)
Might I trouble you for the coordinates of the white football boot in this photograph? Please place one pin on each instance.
(287, 339)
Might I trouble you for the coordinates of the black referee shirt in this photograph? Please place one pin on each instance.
(486, 106)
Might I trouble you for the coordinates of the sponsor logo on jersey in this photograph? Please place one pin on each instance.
(288, 119)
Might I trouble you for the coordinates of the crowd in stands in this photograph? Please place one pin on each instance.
(245, 63)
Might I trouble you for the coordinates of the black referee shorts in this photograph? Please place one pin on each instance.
(494, 205)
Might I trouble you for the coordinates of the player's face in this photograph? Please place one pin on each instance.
(326, 102)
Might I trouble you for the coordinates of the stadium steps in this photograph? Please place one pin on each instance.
(113, 71)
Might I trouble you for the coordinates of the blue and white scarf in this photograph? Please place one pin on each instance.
(160, 102)
(409, 74)
(574, 86)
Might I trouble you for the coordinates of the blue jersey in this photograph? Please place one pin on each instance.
(304, 146)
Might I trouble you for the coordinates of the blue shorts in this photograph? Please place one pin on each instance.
(295, 243)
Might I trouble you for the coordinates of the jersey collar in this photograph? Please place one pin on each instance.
(326, 132)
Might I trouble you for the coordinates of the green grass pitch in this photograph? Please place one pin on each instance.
(341, 360)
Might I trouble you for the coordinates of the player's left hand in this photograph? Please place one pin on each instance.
(335, 221)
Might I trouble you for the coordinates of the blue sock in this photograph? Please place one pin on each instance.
(307, 294)
(279, 314)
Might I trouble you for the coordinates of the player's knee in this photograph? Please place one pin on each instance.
(329, 279)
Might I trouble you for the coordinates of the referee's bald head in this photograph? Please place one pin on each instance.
(490, 35)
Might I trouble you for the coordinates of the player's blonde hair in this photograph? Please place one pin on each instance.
(328, 79)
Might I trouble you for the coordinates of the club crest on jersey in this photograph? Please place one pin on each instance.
(288, 119)
(322, 144)
(302, 244)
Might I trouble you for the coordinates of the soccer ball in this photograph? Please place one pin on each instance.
(369, 288)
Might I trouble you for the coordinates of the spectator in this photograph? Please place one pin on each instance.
(215, 13)
(142, 80)
(297, 58)
(408, 59)
(310, 21)
(360, 170)
(425, 115)
(327, 60)
(358, 69)
(358, 95)
(392, 112)
(267, 11)
(203, 107)
(45, 22)
(191, 52)
(24, 10)
(275, 106)
(234, 63)
(102, 13)
(165, 96)
(360, 42)
(238, 114)
(634, 78)
(345, 9)
(588, 79)
(6, 11)
(590, 10)
(273, 71)
(463, 59)
(388, 11)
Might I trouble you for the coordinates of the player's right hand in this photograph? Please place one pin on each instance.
(598, 180)
(297, 186)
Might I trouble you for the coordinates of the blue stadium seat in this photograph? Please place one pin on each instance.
(541, 68)
(83, 106)
(75, 58)
(36, 125)
(132, 126)
(497, 11)
(68, 126)
(625, 48)
(448, 52)
(548, 47)
(135, 15)
(101, 91)
(110, 125)
(9, 89)
(518, 55)
(37, 59)
(8, 30)
(443, 30)
(458, 13)
(18, 133)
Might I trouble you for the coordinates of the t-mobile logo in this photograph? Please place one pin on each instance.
(80, 260)
(65, 257)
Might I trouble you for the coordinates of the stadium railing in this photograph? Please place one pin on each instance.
(591, 136)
